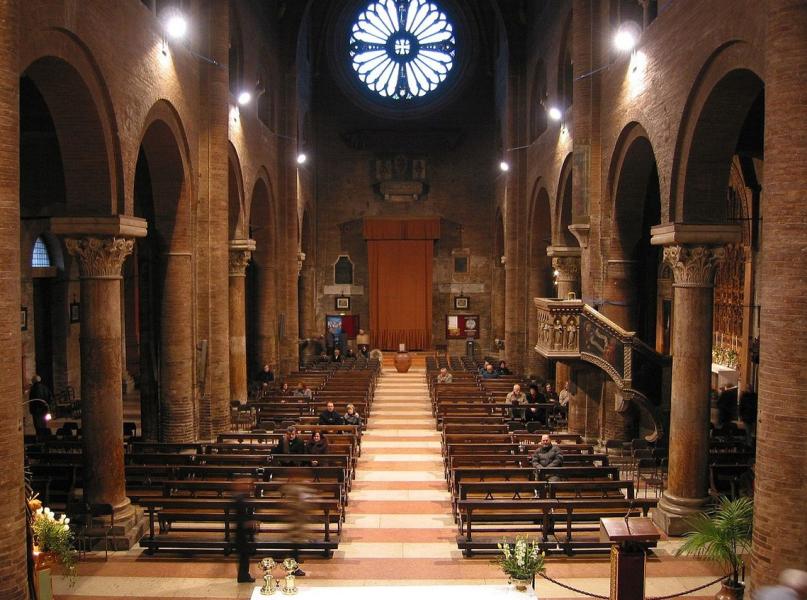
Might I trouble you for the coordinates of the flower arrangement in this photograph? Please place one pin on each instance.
(522, 560)
(53, 535)
(725, 355)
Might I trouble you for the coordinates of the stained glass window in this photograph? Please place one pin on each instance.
(402, 49)
(40, 256)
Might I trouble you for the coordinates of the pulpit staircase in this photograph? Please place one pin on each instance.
(570, 330)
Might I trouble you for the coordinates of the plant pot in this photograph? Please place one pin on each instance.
(45, 560)
(402, 362)
(521, 585)
(728, 591)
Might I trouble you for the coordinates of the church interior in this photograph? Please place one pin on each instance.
(378, 297)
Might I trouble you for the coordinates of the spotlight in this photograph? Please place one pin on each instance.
(176, 26)
(301, 158)
(48, 416)
(627, 36)
(504, 166)
(244, 98)
(555, 113)
(555, 272)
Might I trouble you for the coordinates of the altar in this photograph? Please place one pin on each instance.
(401, 592)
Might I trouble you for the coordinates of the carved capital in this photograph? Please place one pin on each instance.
(239, 259)
(568, 267)
(693, 266)
(100, 258)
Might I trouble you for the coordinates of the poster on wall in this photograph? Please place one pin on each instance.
(342, 325)
(460, 327)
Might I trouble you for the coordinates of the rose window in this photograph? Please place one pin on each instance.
(402, 49)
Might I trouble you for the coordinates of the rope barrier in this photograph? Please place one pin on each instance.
(591, 595)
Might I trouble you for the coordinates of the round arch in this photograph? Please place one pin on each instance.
(236, 209)
(726, 88)
(561, 236)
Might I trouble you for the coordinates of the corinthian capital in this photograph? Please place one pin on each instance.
(693, 266)
(100, 257)
(239, 259)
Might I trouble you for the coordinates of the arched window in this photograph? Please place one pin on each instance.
(402, 49)
(40, 257)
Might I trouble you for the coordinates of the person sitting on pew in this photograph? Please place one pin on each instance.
(350, 352)
(483, 368)
(266, 376)
(290, 443)
(363, 341)
(302, 391)
(550, 393)
(317, 444)
(490, 372)
(516, 398)
(351, 416)
(547, 455)
(503, 370)
(534, 413)
(337, 356)
(330, 417)
(284, 390)
(445, 376)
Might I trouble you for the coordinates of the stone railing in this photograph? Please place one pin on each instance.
(571, 330)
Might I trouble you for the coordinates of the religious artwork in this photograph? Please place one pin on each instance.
(343, 271)
(462, 326)
(342, 303)
(601, 343)
(461, 302)
(342, 326)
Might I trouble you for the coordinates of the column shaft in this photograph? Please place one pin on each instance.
(239, 258)
(13, 580)
(780, 521)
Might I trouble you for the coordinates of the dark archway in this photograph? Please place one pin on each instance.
(261, 281)
(539, 269)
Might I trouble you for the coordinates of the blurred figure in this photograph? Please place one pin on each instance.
(503, 370)
(792, 586)
(490, 372)
(295, 518)
(533, 412)
(244, 533)
(39, 410)
(302, 391)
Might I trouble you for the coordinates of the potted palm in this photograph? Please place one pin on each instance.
(520, 562)
(723, 534)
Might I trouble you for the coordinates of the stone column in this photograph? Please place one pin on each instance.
(780, 521)
(13, 551)
(308, 287)
(497, 293)
(240, 254)
(693, 254)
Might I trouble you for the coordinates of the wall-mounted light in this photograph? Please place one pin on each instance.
(627, 36)
(244, 98)
(504, 166)
(176, 26)
(302, 158)
(555, 113)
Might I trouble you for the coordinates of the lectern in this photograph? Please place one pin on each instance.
(629, 539)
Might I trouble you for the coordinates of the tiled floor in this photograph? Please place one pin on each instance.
(399, 531)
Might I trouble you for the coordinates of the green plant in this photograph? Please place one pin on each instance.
(53, 535)
(522, 560)
(722, 535)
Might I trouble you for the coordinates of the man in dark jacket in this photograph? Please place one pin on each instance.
(547, 455)
(290, 443)
(330, 417)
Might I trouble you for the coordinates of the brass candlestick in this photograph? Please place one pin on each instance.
(289, 586)
(269, 582)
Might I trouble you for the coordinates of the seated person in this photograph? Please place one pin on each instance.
(490, 372)
(535, 413)
(317, 444)
(290, 443)
(547, 455)
(551, 395)
(363, 341)
(337, 356)
(265, 376)
(483, 368)
(284, 390)
(503, 370)
(351, 416)
(444, 376)
(516, 398)
(302, 391)
(564, 398)
(330, 417)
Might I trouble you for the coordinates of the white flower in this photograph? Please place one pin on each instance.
(66, 521)
(66, 527)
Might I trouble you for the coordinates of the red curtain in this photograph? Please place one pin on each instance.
(401, 293)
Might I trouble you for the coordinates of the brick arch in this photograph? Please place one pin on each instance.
(632, 169)
(724, 91)
(89, 150)
(236, 209)
(165, 147)
(561, 236)
(262, 277)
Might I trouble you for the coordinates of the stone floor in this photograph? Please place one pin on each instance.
(399, 531)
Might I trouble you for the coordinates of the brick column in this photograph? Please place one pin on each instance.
(780, 521)
(692, 251)
(308, 286)
(13, 579)
(100, 260)
(240, 254)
